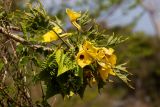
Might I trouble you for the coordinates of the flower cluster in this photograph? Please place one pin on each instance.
(82, 58)
(104, 57)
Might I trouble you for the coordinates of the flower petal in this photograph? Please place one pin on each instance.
(72, 14)
(112, 59)
(105, 72)
(57, 29)
(83, 59)
(100, 54)
(90, 49)
(49, 36)
(108, 51)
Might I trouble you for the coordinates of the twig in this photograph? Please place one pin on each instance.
(61, 39)
(23, 41)
(5, 71)
(13, 28)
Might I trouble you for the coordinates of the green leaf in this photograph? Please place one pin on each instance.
(35, 61)
(60, 60)
(123, 77)
(64, 62)
(122, 68)
(1, 65)
(79, 72)
(24, 60)
(53, 88)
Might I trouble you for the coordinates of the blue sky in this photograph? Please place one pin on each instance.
(116, 19)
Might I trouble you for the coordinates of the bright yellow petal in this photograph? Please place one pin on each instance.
(52, 36)
(90, 49)
(111, 72)
(83, 59)
(106, 58)
(57, 29)
(103, 73)
(73, 15)
(104, 62)
(108, 61)
(100, 54)
(112, 59)
(108, 51)
(49, 36)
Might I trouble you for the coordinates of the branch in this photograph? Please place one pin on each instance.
(23, 41)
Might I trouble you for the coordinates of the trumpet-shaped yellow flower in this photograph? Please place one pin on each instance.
(102, 52)
(108, 61)
(104, 72)
(73, 16)
(90, 49)
(83, 58)
(52, 36)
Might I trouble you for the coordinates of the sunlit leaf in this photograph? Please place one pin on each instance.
(64, 62)
(123, 77)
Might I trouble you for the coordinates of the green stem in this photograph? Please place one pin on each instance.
(61, 39)
(60, 27)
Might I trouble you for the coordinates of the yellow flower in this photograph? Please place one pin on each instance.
(104, 72)
(112, 59)
(105, 57)
(83, 58)
(100, 54)
(108, 51)
(73, 16)
(52, 36)
(108, 61)
(90, 49)
(106, 64)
